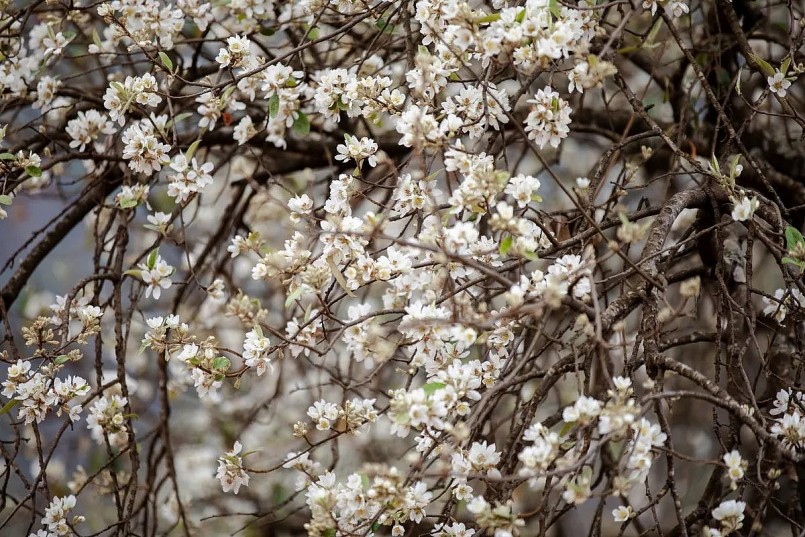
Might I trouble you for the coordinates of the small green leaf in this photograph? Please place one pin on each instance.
(314, 33)
(61, 359)
(228, 93)
(655, 30)
(520, 15)
(763, 64)
(5, 199)
(293, 296)
(556, 11)
(566, 428)
(384, 26)
(152, 259)
(791, 261)
(166, 61)
(274, 105)
(8, 406)
(432, 387)
(96, 38)
(221, 363)
(422, 49)
(505, 245)
(268, 30)
(785, 65)
(128, 204)
(486, 19)
(192, 149)
(339, 277)
(7, 156)
(531, 256)
(179, 118)
(793, 237)
(301, 125)
(33, 171)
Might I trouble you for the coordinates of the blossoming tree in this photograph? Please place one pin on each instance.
(422, 267)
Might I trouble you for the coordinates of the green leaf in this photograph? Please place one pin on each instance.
(166, 61)
(488, 18)
(273, 105)
(301, 125)
(655, 30)
(793, 237)
(5, 199)
(8, 406)
(314, 33)
(7, 156)
(268, 30)
(192, 149)
(152, 259)
(432, 387)
(531, 256)
(293, 296)
(128, 204)
(179, 118)
(506, 245)
(791, 261)
(566, 428)
(422, 49)
(96, 38)
(61, 359)
(763, 64)
(33, 171)
(221, 363)
(520, 16)
(384, 26)
(785, 65)
(556, 11)
(339, 277)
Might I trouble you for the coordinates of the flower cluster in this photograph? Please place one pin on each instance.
(56, 518)
(107, 420)
(231, 471)
(40, 392)
(355, 414)
(789, 423)
(121, 97)
(380, 494)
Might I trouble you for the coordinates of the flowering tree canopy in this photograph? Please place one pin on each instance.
(450, 268)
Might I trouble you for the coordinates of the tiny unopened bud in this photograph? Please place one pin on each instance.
(299, 429)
